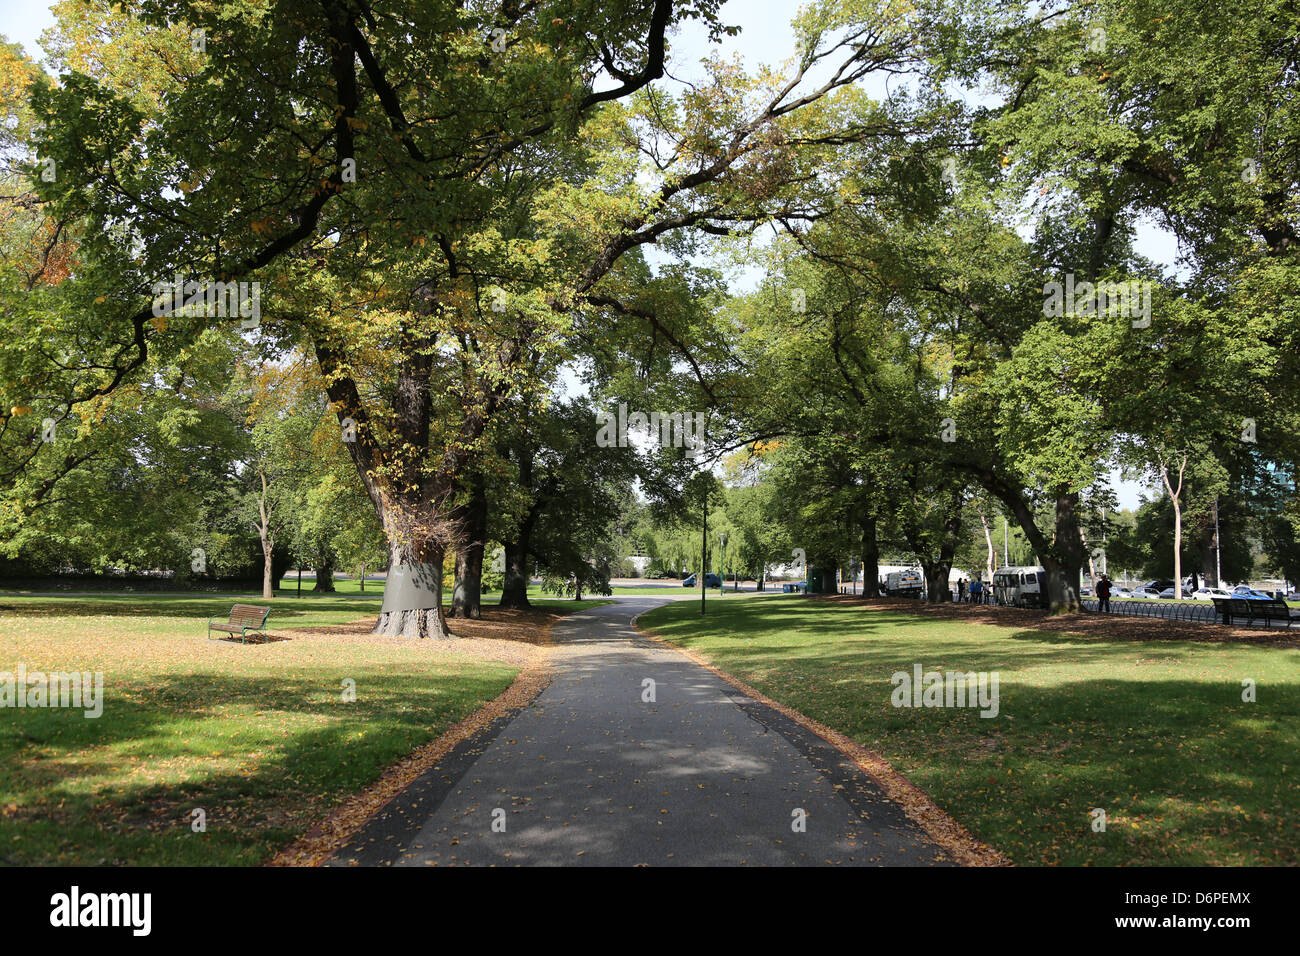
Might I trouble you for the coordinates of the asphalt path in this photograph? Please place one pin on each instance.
(607, 769)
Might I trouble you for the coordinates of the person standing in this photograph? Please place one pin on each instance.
(1103, 595)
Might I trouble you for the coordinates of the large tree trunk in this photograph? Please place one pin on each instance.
(870, 559)
(472, 520)
(514, 593)
(937, 590)
(414, 585)
(1063, 561)
(428, 620)
(325, 574)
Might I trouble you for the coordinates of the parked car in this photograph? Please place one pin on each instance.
(1085, 591)
(1293, 596)
(1118, 593)
(1147, 592)
(1209, 594)
(1249, 594)
(711, 580)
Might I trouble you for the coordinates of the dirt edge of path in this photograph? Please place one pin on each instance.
(346, 820)
(953, 838)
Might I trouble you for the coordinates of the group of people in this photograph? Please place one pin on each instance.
(973, 592)
(977, 592)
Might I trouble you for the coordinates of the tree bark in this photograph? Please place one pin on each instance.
(870, 559)
(325, 574)
(415, 622)
(991, 558)
(937, 590)
(268, 575)
(1175, 498)
(267, 539)
(1065, 553)
(472, 520)
(515, 591)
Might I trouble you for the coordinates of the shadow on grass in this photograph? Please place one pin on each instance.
(190, 606)
(279, 752)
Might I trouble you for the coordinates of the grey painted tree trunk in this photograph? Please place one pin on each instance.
(414, 622)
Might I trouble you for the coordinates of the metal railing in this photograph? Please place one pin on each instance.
(1201, 613)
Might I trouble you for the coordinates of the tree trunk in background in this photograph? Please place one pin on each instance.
(1092, 567)
(937, 590)
(870, 559)
(325, 574)
(937, 568)
(268, 541)
(1205, 545)
(992, 555)
(515, 591)
(268, 575)
(472, 520)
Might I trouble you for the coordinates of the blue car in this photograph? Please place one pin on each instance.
(711, 580)
(1250, 594)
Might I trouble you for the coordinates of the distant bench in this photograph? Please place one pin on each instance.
(243, 619)
(1255, 610)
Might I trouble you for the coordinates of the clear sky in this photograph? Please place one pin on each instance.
(765, 37)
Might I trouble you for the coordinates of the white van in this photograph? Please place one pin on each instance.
(904, 584)
(1020, 586)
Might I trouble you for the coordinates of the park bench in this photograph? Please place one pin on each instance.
(1266, 611)
(243, 619)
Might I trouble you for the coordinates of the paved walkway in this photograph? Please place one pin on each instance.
(591, 774)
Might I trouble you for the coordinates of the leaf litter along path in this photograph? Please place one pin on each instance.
(590, 774)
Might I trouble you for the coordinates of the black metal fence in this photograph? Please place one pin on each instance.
(1202, 613)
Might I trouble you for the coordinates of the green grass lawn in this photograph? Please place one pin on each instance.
(1155, 733)
(259, 737)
